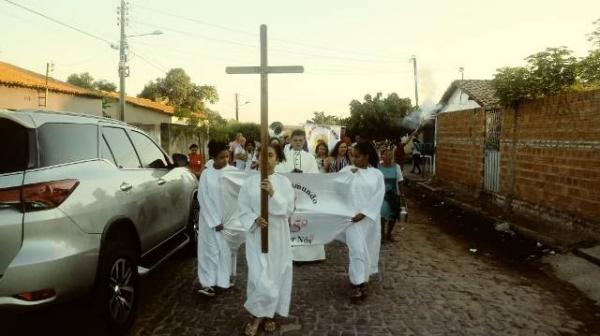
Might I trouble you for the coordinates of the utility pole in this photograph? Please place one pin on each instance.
(123, 48)
(237, 107)
(49, 69)
(462, 78)
(413, 59)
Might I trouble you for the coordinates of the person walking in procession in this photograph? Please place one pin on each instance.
(322, 157)
(390, 209)
(416, 156)
(363, 237)
(340, 157)
(195, 160)
(269, 286)
(214, 255)
(300, 161)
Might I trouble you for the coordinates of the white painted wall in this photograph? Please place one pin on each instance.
(458, 102)
(26, 98)
(137, 115)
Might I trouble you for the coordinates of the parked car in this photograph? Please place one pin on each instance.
(87, 205)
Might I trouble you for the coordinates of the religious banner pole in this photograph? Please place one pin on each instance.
(264, 70)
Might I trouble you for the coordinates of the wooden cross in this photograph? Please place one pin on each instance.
(264, 70)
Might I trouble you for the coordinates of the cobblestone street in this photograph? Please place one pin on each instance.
(430, 284)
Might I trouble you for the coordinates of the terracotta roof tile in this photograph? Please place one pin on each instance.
(11, 75)
(480, 90)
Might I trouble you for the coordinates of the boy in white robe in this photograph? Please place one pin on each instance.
(269, 274)
(300, 161)
(363, 238)
(214, 255)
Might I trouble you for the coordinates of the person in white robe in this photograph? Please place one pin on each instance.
(214, 255)
(269, 286)
(363, 237)
(300, 161)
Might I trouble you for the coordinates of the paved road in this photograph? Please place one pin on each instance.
(430, 284)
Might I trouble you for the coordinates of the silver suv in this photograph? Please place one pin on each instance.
(87, 204)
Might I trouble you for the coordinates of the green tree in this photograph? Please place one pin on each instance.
(251, 131)
(594, 36)
(177, 89)
(322, 119)
(84, 80)
(589, 68)
(105, 85)
(551, 71)
(511, 84)
(377, 117)
(547, 72)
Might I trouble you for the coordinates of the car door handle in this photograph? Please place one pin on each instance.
(126, 186)
(161, 182)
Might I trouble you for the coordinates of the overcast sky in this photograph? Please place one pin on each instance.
(348, 47)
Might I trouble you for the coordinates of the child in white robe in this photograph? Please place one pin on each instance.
(269, 274)
(214, 255)
(363, 238)
(300, 161)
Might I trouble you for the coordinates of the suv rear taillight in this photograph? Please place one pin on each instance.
(47, 195)
(39, 196)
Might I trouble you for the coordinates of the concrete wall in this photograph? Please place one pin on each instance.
(137, 115)
(550, 158)
(178, 138)
(458, 102)
(26, 98)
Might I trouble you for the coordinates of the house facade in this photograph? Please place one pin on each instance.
(24, 89)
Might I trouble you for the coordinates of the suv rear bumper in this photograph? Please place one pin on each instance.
(55, 255)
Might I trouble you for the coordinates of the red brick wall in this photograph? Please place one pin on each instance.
(557, 163)
(459, 153)
(550, 160)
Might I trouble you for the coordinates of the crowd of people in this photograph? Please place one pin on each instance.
(377, 190)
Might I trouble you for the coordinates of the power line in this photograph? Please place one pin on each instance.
(150, 63)
(314, 46)
(60, 22)
(247, 45)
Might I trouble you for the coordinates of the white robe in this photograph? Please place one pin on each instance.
(269, 274)
(215, 260)
(364, 238)
(308, 164)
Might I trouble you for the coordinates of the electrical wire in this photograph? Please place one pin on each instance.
(60, 22)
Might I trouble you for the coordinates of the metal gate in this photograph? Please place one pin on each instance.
(493, 122)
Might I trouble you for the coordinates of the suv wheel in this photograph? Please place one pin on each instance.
(119, 287)
(192, 228)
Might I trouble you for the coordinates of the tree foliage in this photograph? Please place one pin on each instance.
(251, 131)
(589, 68)
(323, 119)
(547, 72)
(177, 90)
(85, 80)
(377, 117)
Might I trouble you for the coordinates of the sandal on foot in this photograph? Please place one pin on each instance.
(250, 329)
(270, 326)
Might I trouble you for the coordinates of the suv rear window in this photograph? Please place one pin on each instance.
(64, 143)
(14, 147)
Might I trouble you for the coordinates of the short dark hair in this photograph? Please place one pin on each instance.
(298, 132)
(366, 148)
(278, 152)
(193, 146)
(216, 147)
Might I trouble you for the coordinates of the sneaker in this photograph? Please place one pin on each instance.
(207, 291)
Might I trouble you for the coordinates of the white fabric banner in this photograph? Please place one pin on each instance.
(325, 133)
(323, 207)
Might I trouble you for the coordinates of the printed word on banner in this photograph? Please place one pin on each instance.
(323, 206)
(321, 133)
